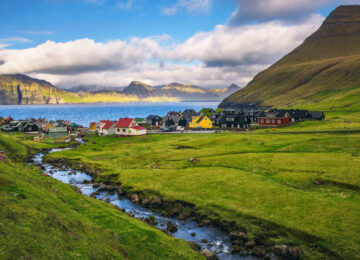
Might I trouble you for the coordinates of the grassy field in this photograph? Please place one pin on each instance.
(264, 182)
(42, 218)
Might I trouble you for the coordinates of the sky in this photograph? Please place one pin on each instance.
(208, 43)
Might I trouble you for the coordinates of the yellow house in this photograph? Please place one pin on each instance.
(200, 121)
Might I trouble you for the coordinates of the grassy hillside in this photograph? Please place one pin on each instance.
(290, 189)
(42, 218)
(322, 73)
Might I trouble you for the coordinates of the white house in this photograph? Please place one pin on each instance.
(128, 127)
(105, 127)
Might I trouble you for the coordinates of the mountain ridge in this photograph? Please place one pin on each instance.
(22, 89)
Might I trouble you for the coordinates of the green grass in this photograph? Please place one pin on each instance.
(261, 181)
(42, 218)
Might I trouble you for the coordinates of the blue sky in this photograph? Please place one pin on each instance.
(211, 43)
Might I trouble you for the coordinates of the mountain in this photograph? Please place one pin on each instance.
(92, 88)
(21, 89)
(323, 72)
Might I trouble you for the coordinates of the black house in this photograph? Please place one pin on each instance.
(153, 120)
(233, 121)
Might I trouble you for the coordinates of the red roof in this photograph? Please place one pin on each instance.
(138, 127)
(124, 122)
(107, 123)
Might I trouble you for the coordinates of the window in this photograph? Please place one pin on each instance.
(262, 121)
(279, 121)
(124, 130)
(267, 121)
(273, 121)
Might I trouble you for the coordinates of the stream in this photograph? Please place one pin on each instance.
(206, 236)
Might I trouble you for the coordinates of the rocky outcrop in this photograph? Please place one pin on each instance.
(23, 90)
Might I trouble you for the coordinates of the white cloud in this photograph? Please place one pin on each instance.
(15, 39)
(218, 58)
(189, 6)
(249, 44)
(125, 4)
(38, 32)
(264, 10)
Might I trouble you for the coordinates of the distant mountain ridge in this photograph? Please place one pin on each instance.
(21, 89)
(323, 72)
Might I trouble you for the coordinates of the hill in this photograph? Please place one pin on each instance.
(42, 218)
(21, 89)
(322, 73)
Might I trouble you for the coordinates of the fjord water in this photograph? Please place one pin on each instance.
(215, 240)
(83, 114)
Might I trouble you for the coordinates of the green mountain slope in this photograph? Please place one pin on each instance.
(42, 218)
(322, 73)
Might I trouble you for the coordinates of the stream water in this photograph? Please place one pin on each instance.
(207, 237)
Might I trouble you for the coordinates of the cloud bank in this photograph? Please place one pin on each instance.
(225, 55)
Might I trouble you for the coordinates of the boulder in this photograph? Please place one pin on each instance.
(194, 246)
(194, 160)
(120, 191)
(209, 255)
(193, 234)
(294, 253)
(281, 250)
(237, 235)
(250, 244)
(134, 198)
(171, 227)
(258, 252)
(145, 202)
(156, 201)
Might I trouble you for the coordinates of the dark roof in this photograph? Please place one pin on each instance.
(274, 114)
(316, 114)
(199, 120)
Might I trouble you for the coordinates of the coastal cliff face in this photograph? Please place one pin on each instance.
(323, 72)
(23, 90)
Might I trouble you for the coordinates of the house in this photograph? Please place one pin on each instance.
(317, 115)
(128, 127)
(187, 116)
(171, 119)
(6, 121)
(273, 118)
(153, 120)
(59, 130)
(105, 127)
(200, 121)
(47, 127)
(92, 126)
(29, 126)
(239, 121)
(295, 114)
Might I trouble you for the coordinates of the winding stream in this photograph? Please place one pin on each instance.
(207, 237)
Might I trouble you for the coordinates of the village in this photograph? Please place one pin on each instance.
(188, 121)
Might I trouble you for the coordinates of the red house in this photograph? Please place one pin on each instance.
(272, 118)
(128, 127)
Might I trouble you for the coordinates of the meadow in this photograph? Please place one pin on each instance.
(295, 189)
(42, 218)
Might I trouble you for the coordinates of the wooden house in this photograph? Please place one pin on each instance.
(154, 120)
(201, 121)
(105, 127)
(92, 126)
(272, 118)
(171, 119)
(128, 127)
